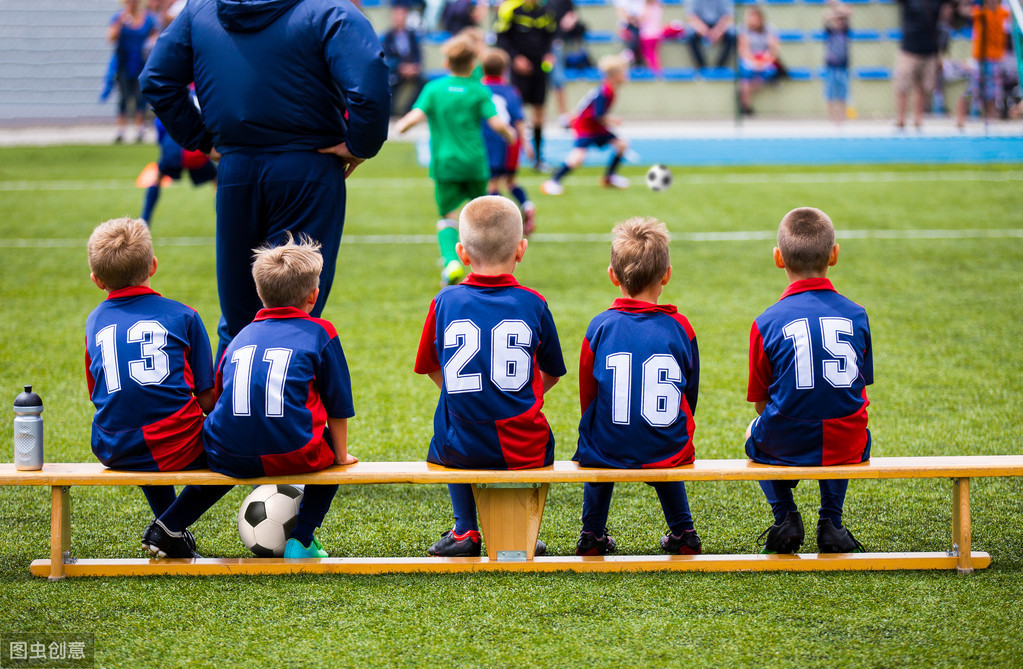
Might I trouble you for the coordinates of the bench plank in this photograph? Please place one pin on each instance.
(957, 466)
(716, 563)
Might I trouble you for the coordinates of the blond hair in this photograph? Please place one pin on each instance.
(121, 252)
(460, 53)
(490, 229)
(805, 238)
(286, 275)
(639, 253)
(495, 62)
(612, 63)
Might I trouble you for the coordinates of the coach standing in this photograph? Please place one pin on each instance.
(294, 96)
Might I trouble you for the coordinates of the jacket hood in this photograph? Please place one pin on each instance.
(249, 16)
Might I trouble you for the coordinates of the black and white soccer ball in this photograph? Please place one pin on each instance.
(266, 518)
(658, 177)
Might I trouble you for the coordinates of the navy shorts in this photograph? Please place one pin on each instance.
(596, 140)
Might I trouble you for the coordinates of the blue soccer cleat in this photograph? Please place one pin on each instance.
(295, 550)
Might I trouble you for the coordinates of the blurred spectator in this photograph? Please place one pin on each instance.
(570, 30)
(985, 85)
(129, 29)
(710, 22)
(629, 12)
(404, 62)
(916, 65)
(461, 14)
(652, 32)
(759, 57)
(525, 30)
(836, 59)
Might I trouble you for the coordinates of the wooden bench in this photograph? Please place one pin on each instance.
(510, 510)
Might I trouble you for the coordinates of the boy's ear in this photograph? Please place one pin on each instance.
(667, 277)
(614, 277)
(520, 250)
(152, 268)
(462, 255)
(313, 296)
(778, 260)
(95, 280)
(833, 258)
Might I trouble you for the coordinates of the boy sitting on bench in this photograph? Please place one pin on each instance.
(810, 362)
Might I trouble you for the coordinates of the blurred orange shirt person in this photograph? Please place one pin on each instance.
(989, 31)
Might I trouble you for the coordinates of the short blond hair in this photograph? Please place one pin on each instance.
(121, 252)
(495, 62)
(286, 275)
(612, 63)
(460, 53)
(639, 253)
(805, 238)
(490, 229)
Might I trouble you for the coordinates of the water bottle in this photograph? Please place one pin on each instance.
(28, 431)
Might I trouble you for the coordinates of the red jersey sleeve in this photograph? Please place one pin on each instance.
(89, 381)
(759, 368)
(426, 357)
(587, 384)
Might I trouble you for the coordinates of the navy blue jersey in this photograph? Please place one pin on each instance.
(280, 379)
(491, 337)
(146, 358)
(508, 103)
(639, 378)
(810, 359)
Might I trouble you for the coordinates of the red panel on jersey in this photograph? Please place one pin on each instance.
(687, 454)
(315, 455)
(524, 438)
(176, 441)
(845, 439)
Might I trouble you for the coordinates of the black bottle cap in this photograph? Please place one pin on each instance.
(28, 399)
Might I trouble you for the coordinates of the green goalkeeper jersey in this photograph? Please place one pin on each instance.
(455, 108)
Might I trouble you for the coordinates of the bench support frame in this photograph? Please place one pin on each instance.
(510, 516)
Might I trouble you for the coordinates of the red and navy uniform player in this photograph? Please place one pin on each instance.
(639, 381)
(491, 346)
(504, 156)
(280, 380)
(591, 126)
(150, 376)
(810, 362)
(174, 159)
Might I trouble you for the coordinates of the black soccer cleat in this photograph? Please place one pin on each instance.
(457, 545)
(831, 539)
(541, 549)
(590, 544)
(160, 543)
(784, 537)
(687, 544)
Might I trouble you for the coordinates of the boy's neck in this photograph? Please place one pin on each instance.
(496, 269)
(794, 277)
(651, 294)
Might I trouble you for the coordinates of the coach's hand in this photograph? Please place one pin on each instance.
(342, 152)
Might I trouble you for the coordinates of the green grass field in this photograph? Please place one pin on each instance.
(945, 313)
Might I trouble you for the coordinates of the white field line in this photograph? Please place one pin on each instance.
(694, 179)
(554, 238)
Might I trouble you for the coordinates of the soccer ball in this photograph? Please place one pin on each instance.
(267, 517)
(658, 177)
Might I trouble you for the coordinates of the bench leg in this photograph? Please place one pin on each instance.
(510, 516)
(961, 524)
(60, 530)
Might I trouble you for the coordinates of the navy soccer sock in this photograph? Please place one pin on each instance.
(193, 501)
(833, 499)
(538, 143)
(149, 204)
(160, 497)
(779, 496)
(613, 165)
(562, 171)
(675, 504)
(314, 507)
(464, 505)
(596, 506)
(520, 195)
